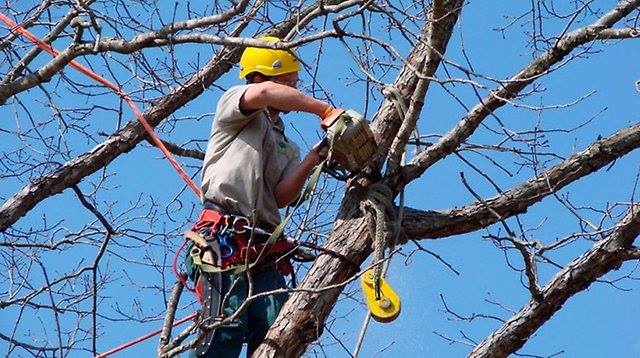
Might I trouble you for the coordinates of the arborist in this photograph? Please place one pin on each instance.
(251, 169)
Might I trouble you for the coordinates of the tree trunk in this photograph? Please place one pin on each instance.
(302, 318)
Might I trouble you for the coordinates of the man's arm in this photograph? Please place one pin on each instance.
(289, 188)
(280, 97)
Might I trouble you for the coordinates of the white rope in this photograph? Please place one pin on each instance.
(381, 195)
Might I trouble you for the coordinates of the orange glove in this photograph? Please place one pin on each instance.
(329, 116)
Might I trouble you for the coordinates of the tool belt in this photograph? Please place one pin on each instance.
(222, 242)
(228, 243)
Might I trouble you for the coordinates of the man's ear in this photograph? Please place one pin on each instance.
(258, 78)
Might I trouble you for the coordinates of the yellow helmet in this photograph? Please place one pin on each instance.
(267, 61)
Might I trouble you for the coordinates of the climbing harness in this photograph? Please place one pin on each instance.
(223, 243)
(351, 142)
(227, 243)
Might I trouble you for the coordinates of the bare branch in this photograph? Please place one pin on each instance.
(497, 98)
(172, 306)
(605, 256)
(120, 142)
(420, 225)
(528, 258)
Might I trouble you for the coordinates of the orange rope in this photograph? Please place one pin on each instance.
(142, 338)
(147, 127)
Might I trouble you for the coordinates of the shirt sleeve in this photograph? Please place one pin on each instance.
(295, 154)
(228, 113)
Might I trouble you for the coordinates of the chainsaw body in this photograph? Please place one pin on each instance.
(352, 142)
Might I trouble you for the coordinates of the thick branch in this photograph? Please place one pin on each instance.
(606, 255)
(610, 34)
(428, 50)
(421, 224)
(174, 148)
(122, 141)
(159, 38)
(45, 73)
(35, 51)
(633, 253)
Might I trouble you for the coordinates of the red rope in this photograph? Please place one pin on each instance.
(147, 127)
(180, 276)
(142, 338)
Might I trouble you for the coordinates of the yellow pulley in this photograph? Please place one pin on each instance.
(384, 308)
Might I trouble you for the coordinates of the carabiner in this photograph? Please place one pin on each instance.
(226, 249)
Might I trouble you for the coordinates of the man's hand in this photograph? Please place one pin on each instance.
(319, 151)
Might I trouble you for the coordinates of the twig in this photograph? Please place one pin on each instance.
(529, 259)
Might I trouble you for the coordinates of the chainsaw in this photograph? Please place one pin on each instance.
(352, 144)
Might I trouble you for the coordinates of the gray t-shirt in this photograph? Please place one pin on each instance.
(246, 158)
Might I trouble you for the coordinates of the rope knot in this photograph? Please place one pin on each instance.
(379, 212)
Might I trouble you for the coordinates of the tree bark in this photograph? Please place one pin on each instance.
(301, 320)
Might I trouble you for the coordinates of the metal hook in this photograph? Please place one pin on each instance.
(226, 249)
(244, 223)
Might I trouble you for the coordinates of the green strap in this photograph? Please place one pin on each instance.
(338, 131)
(277, 232)
(313, 180)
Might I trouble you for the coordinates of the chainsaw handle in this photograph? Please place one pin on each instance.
(329, 117)
(320, 147)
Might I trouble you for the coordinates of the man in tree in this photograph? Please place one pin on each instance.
(251, 169)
